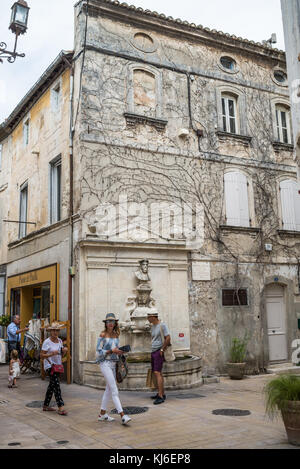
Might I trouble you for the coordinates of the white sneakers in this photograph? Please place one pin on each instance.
(125, 419)
(105, 418)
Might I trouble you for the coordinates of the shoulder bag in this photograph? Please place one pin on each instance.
(121, 369)
(168, 353)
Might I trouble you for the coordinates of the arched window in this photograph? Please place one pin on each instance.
(229, 113)
(283, 124)
(144, 95)
(290, 205)
(232, 110)
(236, 199)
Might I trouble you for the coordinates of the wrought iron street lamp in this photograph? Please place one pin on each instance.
(18, 25)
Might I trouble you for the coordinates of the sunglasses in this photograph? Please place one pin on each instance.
(110, 322)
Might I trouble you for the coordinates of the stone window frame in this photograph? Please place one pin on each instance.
(278, 83)
(22, 233)
(26, 130)
(56, 98)
(227, 70)
(130, 93)
(57, 161)
(279, 101)
(240, 97)
(251, 199)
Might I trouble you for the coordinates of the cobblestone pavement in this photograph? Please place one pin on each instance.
(184, 421)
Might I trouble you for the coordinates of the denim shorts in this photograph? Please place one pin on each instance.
(157, 361)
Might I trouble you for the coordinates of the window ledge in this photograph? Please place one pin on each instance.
(280, 146)
(240, 229)
(245, 139)
(133, 119)
(37, 233)
(290, 233)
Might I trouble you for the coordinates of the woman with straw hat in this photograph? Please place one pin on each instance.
(51, 353)
(107, 356)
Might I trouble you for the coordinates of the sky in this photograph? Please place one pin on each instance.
(51, 25)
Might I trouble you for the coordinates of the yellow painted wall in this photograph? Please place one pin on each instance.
(49, 137)
(26, 282)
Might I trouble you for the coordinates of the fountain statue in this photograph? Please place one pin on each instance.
(136, 328)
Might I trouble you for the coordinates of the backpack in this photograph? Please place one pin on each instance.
(121, 369)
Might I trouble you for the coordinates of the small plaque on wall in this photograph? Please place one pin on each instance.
(201, 271)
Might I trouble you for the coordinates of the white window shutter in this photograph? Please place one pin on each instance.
(236, 199)
(290, 206)
(297, 206)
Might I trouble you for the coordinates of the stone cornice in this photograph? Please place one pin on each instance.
(176, 27)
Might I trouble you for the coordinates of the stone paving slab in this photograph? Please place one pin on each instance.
(176, 424)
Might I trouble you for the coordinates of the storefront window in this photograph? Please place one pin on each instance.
(15, 303)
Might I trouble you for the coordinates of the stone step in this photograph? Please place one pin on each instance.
(283, 368)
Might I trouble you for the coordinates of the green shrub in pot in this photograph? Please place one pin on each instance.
(237, 361)
(283, 397)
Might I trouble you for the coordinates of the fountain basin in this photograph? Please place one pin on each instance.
(183, 373)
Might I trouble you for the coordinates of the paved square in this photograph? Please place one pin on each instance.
(177, 424)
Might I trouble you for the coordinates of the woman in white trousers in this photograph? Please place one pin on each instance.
(107, 356)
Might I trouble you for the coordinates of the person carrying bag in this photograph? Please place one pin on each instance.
(51, 353)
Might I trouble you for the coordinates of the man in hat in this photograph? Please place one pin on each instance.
(158, 331)
(14, 334)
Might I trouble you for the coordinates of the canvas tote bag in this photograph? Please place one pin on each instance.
(168, 353)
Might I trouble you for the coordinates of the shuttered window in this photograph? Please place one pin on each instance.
(55, 191)
(236, 199)
(23, 212)
(290, 205)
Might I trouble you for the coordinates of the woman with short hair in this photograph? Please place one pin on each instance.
(107, 356)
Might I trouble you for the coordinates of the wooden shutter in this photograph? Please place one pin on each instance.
(290, 205)
(236, 199)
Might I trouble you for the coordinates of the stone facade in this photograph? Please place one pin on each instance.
(150, 124)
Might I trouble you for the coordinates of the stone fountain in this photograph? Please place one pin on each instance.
(184, 373)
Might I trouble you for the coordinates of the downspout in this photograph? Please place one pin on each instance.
(71, 208)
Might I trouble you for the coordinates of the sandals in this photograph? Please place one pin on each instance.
(62, 412)
(49, 409)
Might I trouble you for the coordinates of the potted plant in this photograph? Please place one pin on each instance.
(4, 322)
(283, 396)
(237, 364)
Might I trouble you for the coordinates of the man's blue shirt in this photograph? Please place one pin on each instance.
(11, 333)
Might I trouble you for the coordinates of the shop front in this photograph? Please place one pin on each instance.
(34, 294)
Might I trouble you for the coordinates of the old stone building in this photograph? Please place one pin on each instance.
(182, 152)
(34, 198)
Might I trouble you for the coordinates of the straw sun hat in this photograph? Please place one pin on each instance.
(55, 326)
(110, 317)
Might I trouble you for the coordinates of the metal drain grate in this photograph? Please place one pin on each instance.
(132, 410)
(188, 396)
(39, 404)
(232, 412)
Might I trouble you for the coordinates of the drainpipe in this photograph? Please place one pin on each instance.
(71, 208)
